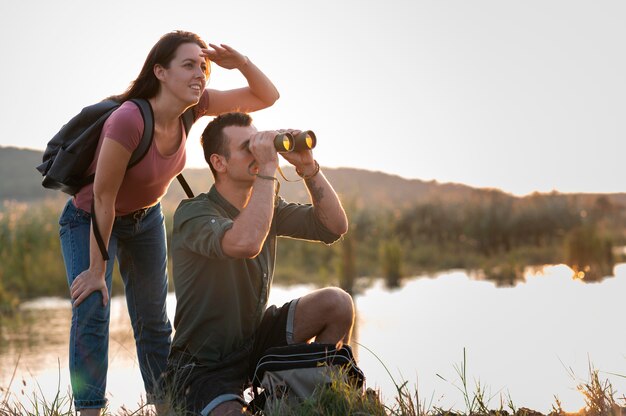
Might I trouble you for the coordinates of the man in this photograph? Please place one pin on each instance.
(223, 247)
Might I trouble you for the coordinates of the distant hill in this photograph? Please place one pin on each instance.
(361, 188)
(18, 178)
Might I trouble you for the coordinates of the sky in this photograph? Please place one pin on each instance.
(523, 96)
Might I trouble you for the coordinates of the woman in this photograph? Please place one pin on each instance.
(129, 217)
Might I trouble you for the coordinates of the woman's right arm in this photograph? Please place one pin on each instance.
(260, 92)
(112, 163)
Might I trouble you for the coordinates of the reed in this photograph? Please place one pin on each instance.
(338, 399)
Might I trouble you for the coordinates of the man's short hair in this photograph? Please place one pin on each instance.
(213, 139)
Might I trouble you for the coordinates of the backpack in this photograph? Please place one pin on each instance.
(70, 152)
(292, 373)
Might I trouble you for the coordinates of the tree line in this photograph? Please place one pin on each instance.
(493, 235)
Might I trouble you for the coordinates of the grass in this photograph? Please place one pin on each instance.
(38, 405)
(340, 399)
(60, 405)
(599, 395)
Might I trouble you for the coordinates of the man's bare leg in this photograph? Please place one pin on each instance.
(326, 315)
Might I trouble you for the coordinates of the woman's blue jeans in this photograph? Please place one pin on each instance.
(140, 247)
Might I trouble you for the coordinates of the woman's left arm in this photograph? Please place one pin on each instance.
(260, 92)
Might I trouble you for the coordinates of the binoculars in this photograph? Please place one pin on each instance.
(287, 142)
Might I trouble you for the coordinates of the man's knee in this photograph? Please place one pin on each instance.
(326, 315)
(338, 305)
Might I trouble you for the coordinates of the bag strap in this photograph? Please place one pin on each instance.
(148, 131)
(185, 185)
(138, 154)
(188, 118)
(96, 230)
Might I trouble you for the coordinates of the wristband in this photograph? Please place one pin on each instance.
(271, 178)
(305, 177)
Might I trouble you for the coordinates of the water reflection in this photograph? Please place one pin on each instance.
(585, 266)
(519, 340)
(36, 335)
(511, 274)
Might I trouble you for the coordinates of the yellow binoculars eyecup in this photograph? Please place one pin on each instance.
(286, 142)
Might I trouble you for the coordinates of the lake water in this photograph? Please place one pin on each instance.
(530, 342)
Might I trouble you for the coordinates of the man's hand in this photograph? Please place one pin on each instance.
(302, 160)
(225, 56)
(261, 146)
(86, 283)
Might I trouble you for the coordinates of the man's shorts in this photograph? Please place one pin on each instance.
(199, 389)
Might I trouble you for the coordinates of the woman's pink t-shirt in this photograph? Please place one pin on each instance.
(145, 183)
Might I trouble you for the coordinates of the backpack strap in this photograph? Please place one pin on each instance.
(96, 231)
(185, 185)
(188, 118)
(148, 133)
(139, 153)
